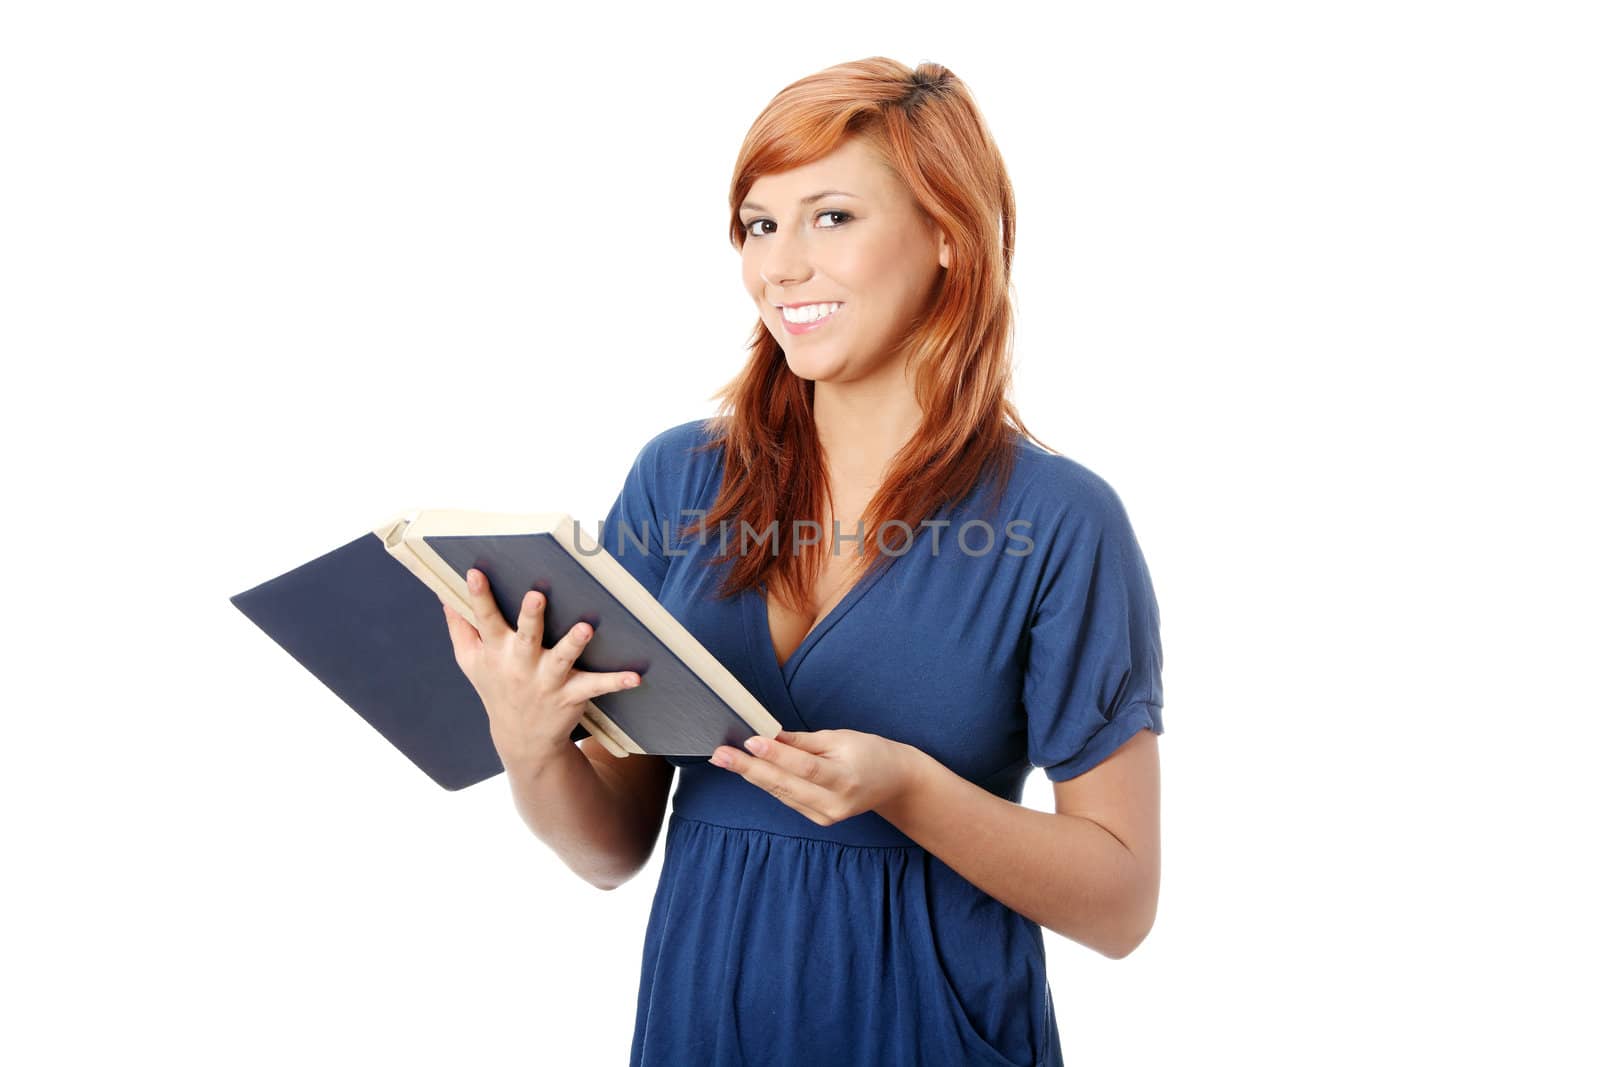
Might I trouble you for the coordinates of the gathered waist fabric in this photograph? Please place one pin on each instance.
(711, 794)
(792, 951)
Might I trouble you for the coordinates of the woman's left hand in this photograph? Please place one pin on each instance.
(826, 775)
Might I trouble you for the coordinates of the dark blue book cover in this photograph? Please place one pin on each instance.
(373, 633)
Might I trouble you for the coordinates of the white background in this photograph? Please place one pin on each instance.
(1313, 286)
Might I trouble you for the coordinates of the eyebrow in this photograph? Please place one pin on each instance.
(812, 199)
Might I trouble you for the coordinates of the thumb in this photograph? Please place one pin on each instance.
(463, 635)
(805, 741)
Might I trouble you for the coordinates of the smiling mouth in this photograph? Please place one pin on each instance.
(807, 326)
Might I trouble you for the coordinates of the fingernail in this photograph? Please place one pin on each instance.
(756, 745)
(719, 759)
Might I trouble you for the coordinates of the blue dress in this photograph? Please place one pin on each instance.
(775, 941)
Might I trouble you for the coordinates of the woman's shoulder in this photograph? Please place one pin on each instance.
(680, 440)
(680, 458)
(1050, 486)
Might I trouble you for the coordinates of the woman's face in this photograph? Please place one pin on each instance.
(866, 245)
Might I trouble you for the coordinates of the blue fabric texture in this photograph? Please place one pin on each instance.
(774, 941)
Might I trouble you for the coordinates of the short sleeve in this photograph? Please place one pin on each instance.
(1093, 672)
(632, 528)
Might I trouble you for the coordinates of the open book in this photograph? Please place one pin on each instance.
(373, 634)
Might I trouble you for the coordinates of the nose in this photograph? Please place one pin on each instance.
(783, 260)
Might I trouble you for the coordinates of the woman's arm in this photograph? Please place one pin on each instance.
(1091, 872)
(599, 813)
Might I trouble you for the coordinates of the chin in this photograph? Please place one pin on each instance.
(813, 369)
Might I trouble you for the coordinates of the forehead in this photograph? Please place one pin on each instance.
(852, 168)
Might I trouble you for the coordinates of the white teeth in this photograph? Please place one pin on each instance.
(811, 312)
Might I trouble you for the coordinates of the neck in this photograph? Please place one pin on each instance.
(862, 424)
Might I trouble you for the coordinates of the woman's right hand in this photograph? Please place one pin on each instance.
(533, 695)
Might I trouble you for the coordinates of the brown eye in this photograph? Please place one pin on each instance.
(750, 231)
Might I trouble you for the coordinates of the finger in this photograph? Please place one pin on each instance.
(530, 624)
(486, 613)
(815, 741)
(462, 635)
(797, 761)
(586, 685)
(567, 650)
(790, 788)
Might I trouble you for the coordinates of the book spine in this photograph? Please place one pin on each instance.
(404, 553)
(602, 728)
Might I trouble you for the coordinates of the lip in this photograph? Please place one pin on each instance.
(809, 327)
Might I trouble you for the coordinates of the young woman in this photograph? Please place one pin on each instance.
(866, 888)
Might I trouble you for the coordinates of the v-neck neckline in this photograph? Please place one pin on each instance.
(761, 624)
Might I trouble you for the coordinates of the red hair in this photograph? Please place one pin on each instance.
(924, 124)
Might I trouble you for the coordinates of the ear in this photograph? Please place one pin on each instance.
(944, 250)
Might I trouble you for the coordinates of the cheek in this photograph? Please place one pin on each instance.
(900, 287)
(870, 272)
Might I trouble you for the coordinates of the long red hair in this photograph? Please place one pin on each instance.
(924, 123)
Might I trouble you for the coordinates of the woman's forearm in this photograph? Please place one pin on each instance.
(1062, 871)
(589, 821)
